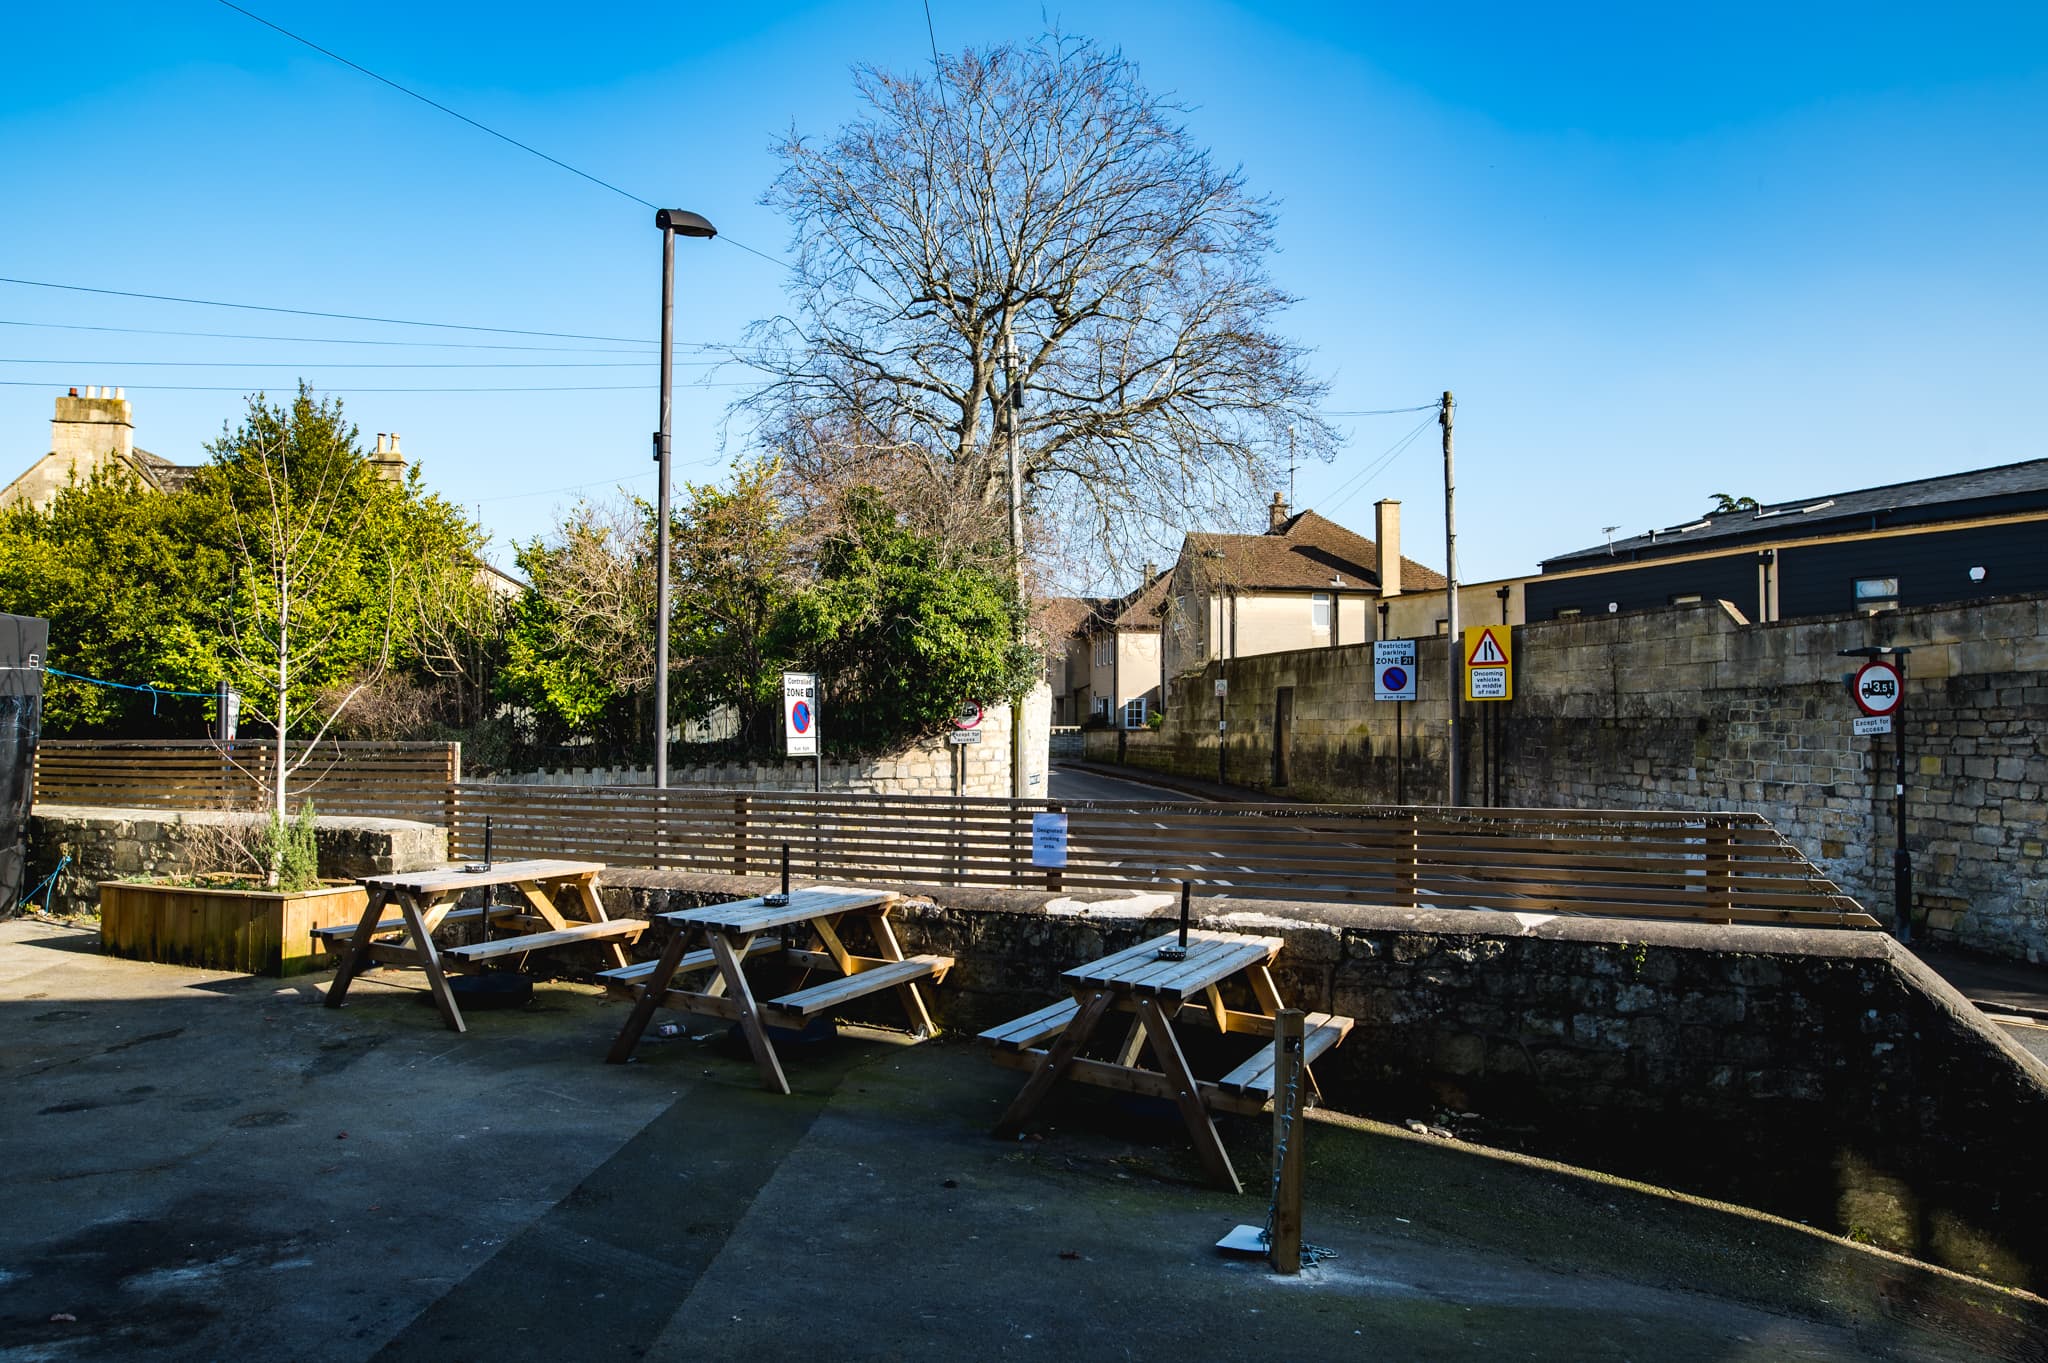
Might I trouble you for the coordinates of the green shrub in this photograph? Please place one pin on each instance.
(291, 851)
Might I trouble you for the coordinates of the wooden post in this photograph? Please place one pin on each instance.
(740, 805)
(1404, 866)
(1055, 875)
(1720, 880)
(1283, 1248)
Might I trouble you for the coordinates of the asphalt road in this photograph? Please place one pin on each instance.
(1068, 784)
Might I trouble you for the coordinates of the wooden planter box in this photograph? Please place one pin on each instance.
(259, 932)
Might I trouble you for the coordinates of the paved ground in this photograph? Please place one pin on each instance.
(206, 1166)
(1092, 783)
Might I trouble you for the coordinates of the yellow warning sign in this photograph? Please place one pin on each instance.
(1489, 663)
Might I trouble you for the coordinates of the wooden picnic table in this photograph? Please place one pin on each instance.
(731, 933)
(561, 908)
(1160, 990)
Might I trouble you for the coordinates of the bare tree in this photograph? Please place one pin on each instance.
(1032, 246)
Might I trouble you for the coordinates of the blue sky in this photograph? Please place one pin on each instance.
(1771, 250)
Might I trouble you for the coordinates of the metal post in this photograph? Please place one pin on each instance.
(1013, 399)
(1457, 655)
(1400, 757)
(1902, 860)
(661, 457)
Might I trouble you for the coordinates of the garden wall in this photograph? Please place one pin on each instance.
(106, 844)
(1824, 1075)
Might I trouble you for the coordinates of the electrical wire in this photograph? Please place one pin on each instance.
(435, 104)
(333, 316)
(243, 388)
(648, 348)
(1353, 485)
(328, 364)
(1388, 411)
(573, 487)
(484, 127)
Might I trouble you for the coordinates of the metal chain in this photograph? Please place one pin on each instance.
(1311, 1255)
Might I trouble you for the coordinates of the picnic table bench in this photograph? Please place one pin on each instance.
(732, 933)
(561, 908)
(1161, 990)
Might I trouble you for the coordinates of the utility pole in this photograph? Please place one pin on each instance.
(1013, 402)
(1291, 507)
(1455, 675)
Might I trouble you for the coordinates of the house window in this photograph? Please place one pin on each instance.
(1101, 706)
(1319, 612)
(1134, 713)
(1105, 651)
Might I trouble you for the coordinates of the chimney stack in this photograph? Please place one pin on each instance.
(1276, 514)
(1387, 532)
(1151, 571)
(387, 460)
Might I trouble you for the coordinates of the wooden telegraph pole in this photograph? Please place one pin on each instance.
(1455, 642)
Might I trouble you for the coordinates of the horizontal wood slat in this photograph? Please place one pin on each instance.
(377, 780)
(1723, 867)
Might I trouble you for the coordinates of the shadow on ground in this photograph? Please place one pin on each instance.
(205, 1166)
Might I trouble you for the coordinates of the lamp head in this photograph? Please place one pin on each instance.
(684, 223)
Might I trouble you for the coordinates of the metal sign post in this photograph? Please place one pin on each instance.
(1879, 690)
(1394, 679)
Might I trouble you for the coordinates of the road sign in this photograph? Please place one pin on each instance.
(1489, 663)
(1876, 688)
(969, 716)
(1393, 669)
(1222, 687)
(1048, 840)
(961, 736)
(800, 714)
(1872, 724)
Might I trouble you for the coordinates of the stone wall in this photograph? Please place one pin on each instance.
(1692, 708)
(107, 844)
(1827, 1076)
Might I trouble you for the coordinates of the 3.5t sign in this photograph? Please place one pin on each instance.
(1877, 688)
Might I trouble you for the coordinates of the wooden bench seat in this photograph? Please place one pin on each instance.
(1027, 1031)
(1254, 1077)
(822, 998)
(631, 977)
(344, 931)
(543, 941)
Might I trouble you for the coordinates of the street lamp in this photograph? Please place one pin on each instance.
(672, 222)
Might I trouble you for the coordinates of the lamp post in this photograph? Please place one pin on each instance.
(672, 222)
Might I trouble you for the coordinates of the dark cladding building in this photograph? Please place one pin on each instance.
(1934, 541)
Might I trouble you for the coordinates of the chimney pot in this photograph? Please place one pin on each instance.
(74, 392)
(121, 393)
(1276, 513)
(394, 442)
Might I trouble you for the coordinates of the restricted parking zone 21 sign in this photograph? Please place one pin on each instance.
(1393, 669)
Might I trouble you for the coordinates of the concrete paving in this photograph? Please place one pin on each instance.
(206, 1166)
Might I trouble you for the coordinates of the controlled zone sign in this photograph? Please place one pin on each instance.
(800, 714)
(1393, 669)
(1489, 663)
(1877, 688)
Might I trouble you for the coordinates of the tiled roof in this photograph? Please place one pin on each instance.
(1141, 610)
(1921, 502)
(1302, 553)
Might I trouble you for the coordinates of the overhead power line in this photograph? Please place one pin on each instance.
(325, 364)
(1387, 411)
(324, 388)
(1351, 486)
(309, 312)
(436, 104)
(485, 127)
(646, 348)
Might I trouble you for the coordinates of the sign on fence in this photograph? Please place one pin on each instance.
(1049, 840)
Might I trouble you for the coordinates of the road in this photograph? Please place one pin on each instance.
(1068, 784)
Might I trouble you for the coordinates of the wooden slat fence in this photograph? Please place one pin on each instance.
(388, 780)
(1713, 867)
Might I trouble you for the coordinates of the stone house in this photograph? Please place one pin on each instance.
(96, 430)
(1305, 583)
(1107, 665)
